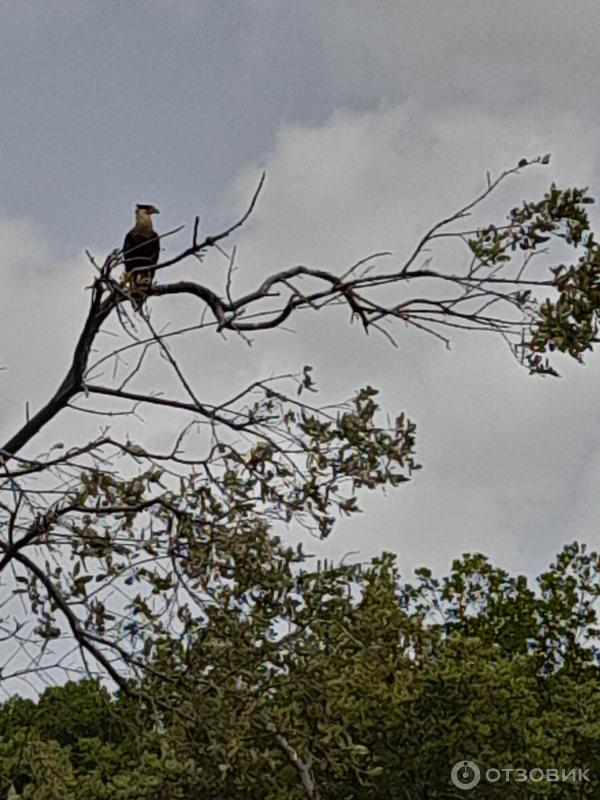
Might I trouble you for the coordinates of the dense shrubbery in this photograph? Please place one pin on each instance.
(377, 689)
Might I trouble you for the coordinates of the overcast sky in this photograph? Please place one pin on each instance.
(372, 119)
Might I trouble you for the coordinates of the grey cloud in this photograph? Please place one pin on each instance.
(373, 121)
(504, 56)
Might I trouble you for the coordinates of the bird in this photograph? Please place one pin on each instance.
(141, 248)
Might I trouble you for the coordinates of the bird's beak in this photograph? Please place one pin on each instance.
(155, 211)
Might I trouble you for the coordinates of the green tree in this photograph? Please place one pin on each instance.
(339, 683)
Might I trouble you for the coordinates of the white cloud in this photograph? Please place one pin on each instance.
(373, 179)
(505, 455)
(41, 306)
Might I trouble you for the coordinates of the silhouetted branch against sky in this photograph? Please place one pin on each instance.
(262, 434)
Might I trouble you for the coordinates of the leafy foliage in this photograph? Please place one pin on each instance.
(376, 685)
(569, 321)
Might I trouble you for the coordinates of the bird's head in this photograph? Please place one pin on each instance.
(144, 212)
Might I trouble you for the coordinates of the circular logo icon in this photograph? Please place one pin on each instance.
(465, 775)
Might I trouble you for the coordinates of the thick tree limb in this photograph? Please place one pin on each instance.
(98, 312)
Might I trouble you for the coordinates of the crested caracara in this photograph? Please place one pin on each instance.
(141, 249)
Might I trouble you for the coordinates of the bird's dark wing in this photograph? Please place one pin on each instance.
(154, 249)
(140, 250)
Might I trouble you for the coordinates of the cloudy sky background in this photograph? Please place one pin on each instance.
(373, 119)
